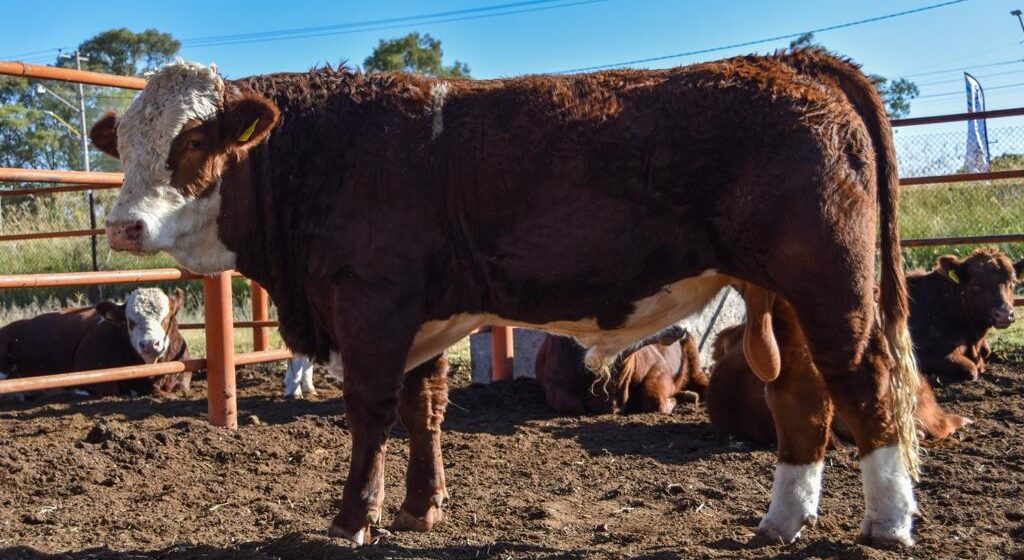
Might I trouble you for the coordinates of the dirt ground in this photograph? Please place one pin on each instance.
(147, 478)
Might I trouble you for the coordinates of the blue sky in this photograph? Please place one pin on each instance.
(940, 42)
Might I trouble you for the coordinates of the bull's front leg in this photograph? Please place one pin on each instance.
(952, 368)
(373, 347)
(421, 406)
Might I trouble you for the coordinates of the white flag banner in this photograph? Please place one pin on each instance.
(977, 159)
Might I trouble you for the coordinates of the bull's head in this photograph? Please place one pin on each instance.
(176, 141)
(985, 279)
(149, 315)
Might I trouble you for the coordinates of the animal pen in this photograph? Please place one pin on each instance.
(221, 360)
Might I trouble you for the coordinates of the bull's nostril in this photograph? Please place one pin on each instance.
(133, 231)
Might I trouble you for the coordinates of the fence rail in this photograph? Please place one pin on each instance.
(23, 70)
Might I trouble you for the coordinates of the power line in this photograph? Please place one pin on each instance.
(965, 57)
(962, 68)
(764, 40)
(372, 25)
(33, 54)
(960, 79)
(199, 40)
(961, 92)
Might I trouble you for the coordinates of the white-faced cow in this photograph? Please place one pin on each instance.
(298, 376)
(142, 330)
(390, 214)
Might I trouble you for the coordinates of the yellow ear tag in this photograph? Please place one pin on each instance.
(247, 133)
(954, 276)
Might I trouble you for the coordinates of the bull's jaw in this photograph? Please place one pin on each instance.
(190, 236)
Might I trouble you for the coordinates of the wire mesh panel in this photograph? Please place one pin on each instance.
(964, 208)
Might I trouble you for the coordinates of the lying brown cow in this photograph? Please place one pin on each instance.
(738, 402)
(645, 378)
(389, 215)
(953, 307)
(142, 330)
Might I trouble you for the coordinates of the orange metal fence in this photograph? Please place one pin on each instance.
(220, 361)
(219, 326)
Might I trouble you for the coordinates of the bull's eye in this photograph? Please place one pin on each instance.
(195, 144)
(131, 324)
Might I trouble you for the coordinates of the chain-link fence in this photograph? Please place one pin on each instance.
(960, 209)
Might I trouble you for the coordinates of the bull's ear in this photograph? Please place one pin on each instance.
(247, 120)
(104, 134)
(1018, 269)
(177, 298)
(952, 268)
(111, 311)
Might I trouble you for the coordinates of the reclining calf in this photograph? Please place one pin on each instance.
(142, 330)
(389, 215)
(644, 378)
(954, 306)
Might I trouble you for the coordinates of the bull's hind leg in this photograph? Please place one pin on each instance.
(421, 406)
(851, 354)
(802, 413)
(865, 402)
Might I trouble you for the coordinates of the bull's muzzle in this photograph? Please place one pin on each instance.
(125, 235)
(1003, 318)
(150, 350)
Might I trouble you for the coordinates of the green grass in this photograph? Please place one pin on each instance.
(1008, 344)
(960, 209)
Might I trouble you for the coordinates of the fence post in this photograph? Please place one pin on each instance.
(220, 351)
(260, 305)
(501, 353)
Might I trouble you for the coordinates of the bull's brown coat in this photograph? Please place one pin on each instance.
(379, 203)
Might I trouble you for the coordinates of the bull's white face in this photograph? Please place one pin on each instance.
(147, 315)
(174, 142)
(176, 95)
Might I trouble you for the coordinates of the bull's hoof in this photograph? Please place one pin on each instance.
(885, 535)
(769, 533)
(420, 524)
(358, 537)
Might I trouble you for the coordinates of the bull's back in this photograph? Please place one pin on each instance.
(599, 190)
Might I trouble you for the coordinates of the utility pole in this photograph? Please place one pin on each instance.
(90, 197)
(1021, 20)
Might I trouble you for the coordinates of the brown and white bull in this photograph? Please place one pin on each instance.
(142, 330)
(644, 378)
(390, 214)
(955, 305)
(742, 406)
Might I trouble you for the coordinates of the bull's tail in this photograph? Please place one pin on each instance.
(893, 306)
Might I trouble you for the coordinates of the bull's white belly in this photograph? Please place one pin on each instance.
(653, 313)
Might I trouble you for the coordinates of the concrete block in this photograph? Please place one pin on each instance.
(526, 344)
(480, 357)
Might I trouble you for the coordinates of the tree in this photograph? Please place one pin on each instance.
(38, 130)
(122, 51)
(896, 95)
(413, 53)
